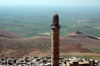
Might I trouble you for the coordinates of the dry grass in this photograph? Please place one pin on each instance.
(82, 55)
(39, 54)
(47, 33)
(78, 55)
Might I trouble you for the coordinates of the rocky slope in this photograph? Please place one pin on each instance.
(6, 34)
(73, 42)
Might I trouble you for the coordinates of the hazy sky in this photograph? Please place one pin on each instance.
(50, 2)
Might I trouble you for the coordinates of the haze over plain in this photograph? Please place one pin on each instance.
(50, 2)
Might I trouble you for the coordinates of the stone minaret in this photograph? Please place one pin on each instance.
(55, 40)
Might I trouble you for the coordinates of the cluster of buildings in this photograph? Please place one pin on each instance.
(46, 61)
(26, 61)
(73, 61)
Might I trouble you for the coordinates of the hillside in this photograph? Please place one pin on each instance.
(6, 34)
(78, 34)
(74, 42)
(76, 37)
(70, 48)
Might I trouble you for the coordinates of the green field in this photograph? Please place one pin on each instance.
(32, 21)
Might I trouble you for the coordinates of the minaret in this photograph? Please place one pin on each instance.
(55, 40)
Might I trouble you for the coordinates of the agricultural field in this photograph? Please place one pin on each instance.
(82, 55)
(30, 21)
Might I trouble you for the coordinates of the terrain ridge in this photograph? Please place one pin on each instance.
(74, 42)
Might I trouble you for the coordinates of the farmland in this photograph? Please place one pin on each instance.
(32, 21)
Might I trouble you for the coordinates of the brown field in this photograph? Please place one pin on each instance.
(88, 27)
(70, 48)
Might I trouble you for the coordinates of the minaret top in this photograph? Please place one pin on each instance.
(55, 21)
(55, 16)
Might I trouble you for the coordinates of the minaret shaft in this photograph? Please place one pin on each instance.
(55, 47)
(55, 40)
